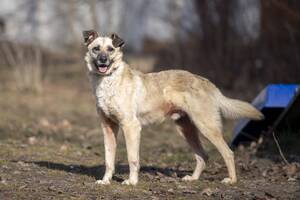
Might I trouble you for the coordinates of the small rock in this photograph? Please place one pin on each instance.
(162, 180)
(265, 173)
(291, 179)
(63, 147)
(16, 172)
(3, 181)
(32, 140)
(189, 191)
(51, 188)
(182, 187)
(22, 164)
(65, 124)
(44, 122)
(171, 190)
(170, 179)
(253, 162)
(260, 140)
(174, 175)
(4, 167)
(147, 192)
(23, 145)
(55, 189)
(159, 174)
(207, 191)
(290, 169)
(253, 145)
(22, 187)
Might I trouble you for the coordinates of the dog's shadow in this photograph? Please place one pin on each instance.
(98, 171)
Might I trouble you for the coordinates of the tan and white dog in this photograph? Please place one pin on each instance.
(128, 99)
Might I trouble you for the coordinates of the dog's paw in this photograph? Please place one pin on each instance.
(189, 178)
(228, 181)
(129, 182)
(102, 182)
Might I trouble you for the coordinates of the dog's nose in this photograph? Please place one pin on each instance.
(103, 58)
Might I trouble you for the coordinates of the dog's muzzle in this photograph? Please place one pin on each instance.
(102, 63)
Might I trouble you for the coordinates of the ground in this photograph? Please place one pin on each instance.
(51, 147)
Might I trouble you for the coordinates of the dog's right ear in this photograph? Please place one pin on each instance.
(89, 36)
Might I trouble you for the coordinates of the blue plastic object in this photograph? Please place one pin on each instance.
(271, 101)
(275, 95)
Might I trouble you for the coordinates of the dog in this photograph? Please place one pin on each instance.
(127, 99)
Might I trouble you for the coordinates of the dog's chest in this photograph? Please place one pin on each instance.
(107, 97)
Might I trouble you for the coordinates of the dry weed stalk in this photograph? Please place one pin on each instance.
(27, 65)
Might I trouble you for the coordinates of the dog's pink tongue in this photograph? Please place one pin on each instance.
(102, 69)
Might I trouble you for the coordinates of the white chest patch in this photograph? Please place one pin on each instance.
(106, 92)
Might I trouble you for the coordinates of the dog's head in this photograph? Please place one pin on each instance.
(103, 52)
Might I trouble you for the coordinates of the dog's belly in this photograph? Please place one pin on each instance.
(160, 113)
(147, 118)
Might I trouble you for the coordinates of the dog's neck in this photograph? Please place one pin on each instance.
(109, 79)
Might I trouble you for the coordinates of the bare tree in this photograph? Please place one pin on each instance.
(93, 10)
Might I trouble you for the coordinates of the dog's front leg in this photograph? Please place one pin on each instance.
(132, 135)
(110, 131)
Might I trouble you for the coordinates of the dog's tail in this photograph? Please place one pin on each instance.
(235, 109)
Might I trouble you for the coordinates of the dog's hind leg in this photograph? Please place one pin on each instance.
(210, 126)
(187, 129)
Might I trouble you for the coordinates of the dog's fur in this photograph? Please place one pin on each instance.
(128, 99)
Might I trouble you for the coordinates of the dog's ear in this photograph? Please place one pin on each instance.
(89, 36)
(116, 40)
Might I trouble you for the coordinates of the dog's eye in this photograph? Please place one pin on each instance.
(95, 49)
(110, 49)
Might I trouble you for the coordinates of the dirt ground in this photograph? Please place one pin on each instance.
(51, 147)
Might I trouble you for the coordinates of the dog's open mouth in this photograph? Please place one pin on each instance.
(102, 68)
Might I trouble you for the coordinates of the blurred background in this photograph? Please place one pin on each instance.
(240, 45)
(50, 139)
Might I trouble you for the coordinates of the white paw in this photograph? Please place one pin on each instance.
(102, 182)
(228, 181)
(189, 178)
(129, 182)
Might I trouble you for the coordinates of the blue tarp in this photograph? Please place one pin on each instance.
(273, 97)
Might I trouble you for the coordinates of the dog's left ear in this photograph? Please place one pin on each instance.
(89, 36)
(116, 40)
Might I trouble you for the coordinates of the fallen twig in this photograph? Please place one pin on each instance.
(279, 148)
